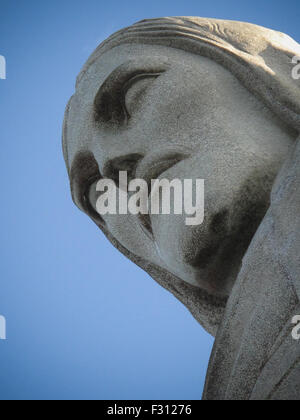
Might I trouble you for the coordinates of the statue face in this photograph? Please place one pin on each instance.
(159, 112)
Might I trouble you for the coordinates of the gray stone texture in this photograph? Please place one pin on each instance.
(215, 100)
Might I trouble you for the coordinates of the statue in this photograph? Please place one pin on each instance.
(191, 98)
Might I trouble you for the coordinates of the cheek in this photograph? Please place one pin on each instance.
(228, 177)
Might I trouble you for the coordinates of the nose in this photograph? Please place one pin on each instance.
(127, 163)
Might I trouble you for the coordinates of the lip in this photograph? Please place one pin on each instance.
(152, 168)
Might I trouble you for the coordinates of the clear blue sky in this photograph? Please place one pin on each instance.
(82, 321)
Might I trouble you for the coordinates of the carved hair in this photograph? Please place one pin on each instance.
(246, 50)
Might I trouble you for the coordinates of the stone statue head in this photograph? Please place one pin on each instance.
(186, 98)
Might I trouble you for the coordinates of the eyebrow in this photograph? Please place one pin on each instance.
(109, 102)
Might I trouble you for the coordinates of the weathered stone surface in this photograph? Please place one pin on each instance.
(255, 356)
(200, 98)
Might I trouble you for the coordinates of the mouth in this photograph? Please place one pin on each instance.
(151, 169)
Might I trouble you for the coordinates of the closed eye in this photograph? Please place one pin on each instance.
(135, 91)
(121, 93)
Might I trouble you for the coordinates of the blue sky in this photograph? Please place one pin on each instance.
(82, 321)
